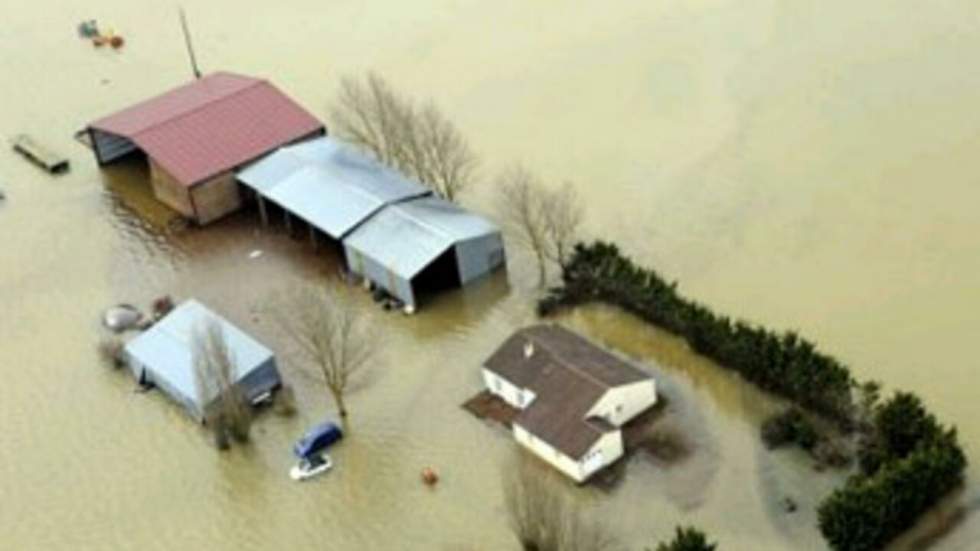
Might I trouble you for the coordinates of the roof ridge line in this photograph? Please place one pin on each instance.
(575, 368)
(203, 105)
(420, 222)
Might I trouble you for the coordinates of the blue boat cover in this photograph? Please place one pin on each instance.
(317, 439)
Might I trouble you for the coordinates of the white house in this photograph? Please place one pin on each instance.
(573, 397)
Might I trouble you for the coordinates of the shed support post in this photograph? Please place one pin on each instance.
(313, 236)
(262, 212)
(289, 223)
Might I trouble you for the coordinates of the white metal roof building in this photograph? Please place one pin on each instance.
(328, 184)
(163, 356)
(423, 244)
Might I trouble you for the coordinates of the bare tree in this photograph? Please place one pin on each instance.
(521, 206)
(420, 142)
(226, 411)
(543, 219)
(543, 518)
(563, 213)
(331, 334)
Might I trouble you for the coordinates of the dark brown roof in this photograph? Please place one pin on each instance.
(569, 375)
(557, 415)
(555, 344)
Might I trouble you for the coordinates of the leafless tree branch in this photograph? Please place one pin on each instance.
(543, 517)
(544, 220)
(226, 410)
(331, 334)
(420, 142)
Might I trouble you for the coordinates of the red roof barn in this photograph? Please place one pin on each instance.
(196, 135)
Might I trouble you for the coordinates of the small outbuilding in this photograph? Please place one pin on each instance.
(573, 397)
(196, 135)
(423, 245)
(327, 184)
(163, 357)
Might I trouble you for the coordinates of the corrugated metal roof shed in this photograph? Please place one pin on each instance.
(330, 205)
(165, 351)
(211, 125)
(328, 184)
(407, 237)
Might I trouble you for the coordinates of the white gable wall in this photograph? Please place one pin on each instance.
(510, 393)
(622, 403)
(604, 452)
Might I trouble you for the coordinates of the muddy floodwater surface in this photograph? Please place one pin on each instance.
(806, 165)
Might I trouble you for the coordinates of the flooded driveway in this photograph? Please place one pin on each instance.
(806, 167)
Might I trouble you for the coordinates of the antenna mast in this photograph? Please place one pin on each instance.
(190, 47)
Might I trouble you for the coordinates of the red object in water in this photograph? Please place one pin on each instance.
(116, 42)
(429, 476)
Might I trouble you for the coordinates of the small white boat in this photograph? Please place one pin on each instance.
(310, 467)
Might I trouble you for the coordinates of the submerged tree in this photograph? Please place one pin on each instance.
(688, 539)
(226, 410)
(542, 518)
(546, 220)
(332, 334)
(419, 141)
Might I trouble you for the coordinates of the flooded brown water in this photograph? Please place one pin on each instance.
(806, 165)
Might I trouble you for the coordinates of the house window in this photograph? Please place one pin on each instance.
(520, 398)
(496, 384)
(619, 409)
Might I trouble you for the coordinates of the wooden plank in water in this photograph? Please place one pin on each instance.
(39, 155)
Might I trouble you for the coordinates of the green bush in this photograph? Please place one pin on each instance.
(899, 426)
(789, 427)
(688, 539)
(869, 511)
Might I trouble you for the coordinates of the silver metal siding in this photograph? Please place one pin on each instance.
(479, 256)
(110, 147)
(367, 267)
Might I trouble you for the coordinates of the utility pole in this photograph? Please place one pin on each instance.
(190, 47)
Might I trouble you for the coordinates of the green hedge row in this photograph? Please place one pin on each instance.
(782, 363)
(908, 460)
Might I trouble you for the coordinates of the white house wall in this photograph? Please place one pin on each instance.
(622, 403)
(548, 453)
(609, 448)
(510, 393)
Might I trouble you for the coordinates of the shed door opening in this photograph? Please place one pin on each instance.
(440, 275)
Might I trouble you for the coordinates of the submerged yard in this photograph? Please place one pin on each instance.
(802, 169)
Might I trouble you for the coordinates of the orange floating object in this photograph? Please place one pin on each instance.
(116, 42)
(429, 476)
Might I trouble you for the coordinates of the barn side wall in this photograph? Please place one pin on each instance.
(260, 380)
(216, 197)
(169, 191)
(367, 267)
(479, 256)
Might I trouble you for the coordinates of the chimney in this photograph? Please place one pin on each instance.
(528, 349)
